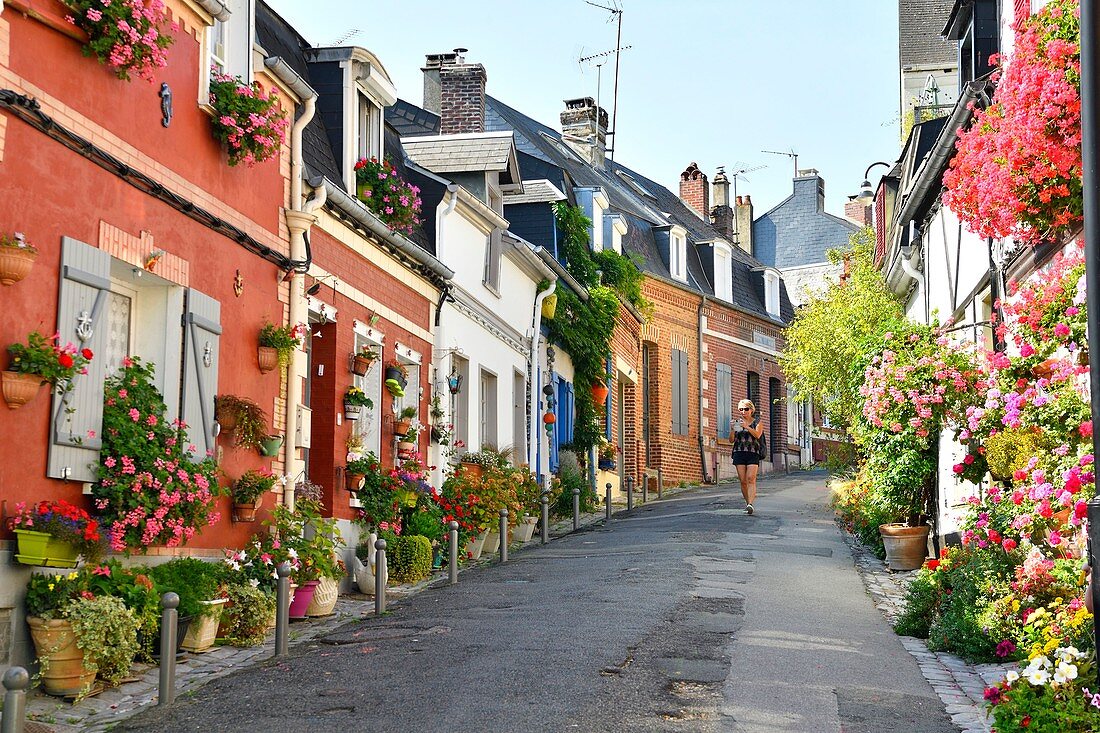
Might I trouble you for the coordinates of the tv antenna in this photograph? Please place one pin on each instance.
(740, 174)
(617, 18)
(602, 59)
(348, 35)
(793, 155)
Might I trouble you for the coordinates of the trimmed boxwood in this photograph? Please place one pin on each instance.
(409, 558)
(193, 580)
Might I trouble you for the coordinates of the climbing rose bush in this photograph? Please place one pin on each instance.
(1017, 172)
(149, 491)
(247, 119)
(126, 35)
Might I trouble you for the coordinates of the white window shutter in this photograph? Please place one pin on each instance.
(77, 419)
(201, 338)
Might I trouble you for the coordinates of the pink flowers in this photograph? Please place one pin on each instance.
(381, 189)
(126, 35)
(247, 119)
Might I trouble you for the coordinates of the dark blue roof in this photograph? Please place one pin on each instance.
(798, 231)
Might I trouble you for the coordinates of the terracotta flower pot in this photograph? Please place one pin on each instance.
(599, 393)
(268, 358)
(360, 365)
(353, 480)
(245, 512)
(66, 673)
(401, 427)
(473, 470)
(906, 547)
(15, 264)
(19, 388)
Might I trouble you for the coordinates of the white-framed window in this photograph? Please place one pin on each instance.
(677, 254)
(368, 427)
(460, 402)
(487, 409)
(794, 417)
(771, 292)
(412, 388)
(723, 272)
(593, 202)
(218, 43)
(368, 128)
(227, 45)
(615, 228)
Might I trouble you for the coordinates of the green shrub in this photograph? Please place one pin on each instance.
(107, 632)
(858, 503)
(408, 557)
(248, 614)
(193, 580)
(572, 478)
(921, 600)
(971, 581)
(1011, 449)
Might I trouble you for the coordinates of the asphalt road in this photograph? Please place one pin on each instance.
(684, 615)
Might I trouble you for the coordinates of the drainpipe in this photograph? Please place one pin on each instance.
(533, 438)
(298, 220)
(702, 443)
(908, 269)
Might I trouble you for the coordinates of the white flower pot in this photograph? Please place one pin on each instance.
(202, 631)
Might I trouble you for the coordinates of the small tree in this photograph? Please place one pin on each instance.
(832, 336)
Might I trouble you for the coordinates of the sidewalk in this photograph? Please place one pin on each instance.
(959, 684)
(48, 714)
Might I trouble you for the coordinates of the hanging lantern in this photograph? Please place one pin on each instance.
(549, 418)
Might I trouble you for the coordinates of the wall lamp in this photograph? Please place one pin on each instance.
(454, 382)
(867, 194)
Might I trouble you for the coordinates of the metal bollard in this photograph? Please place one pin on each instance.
(166, 695)
(16, 682)
(380, 573)
(607, 502)
(645, 488)
(282, 610)
(503, 535)
(1093, 556)
(660, 483)
(454, 551)
(629, 480)
(545, 519)
(576, 509)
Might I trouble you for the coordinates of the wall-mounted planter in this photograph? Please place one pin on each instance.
(19, 388)
(268, 358)
(352, 412)
(599, 393)
(405, 449)
(360, 365)
(245, 512)
(269, 448)
(402, 427)
(15, 264)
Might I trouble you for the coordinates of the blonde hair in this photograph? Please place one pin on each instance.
(746, 403)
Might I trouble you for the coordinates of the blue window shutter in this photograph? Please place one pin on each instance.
(555, 435)
(684, 420)
(76, 421)
(570, 412)
(724, 389)
(201, 335)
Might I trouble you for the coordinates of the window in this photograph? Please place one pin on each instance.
(677, 254)
(594, 203)
(775, 415)
(412, 388)
(646, 423)
(615, 229)
(723, 273)
(752, 390)
(794, 418)
(494, 245)
(724, 388)
(771, 292)
(487, 409)
(218, 38)
(368, 426)
(228, 45)
(519, 417)
(369, 129)
(680, 380)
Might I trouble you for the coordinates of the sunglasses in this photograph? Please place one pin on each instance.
(744, 409)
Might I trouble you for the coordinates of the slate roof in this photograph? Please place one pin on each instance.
(460, 153)
(535, 192)
(410, 120)
(646, 205)
(919, 39)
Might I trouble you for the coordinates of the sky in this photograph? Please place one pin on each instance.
(714, 82)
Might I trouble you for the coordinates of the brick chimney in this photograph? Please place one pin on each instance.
(857, 212)
(455, 90)
(743, 218)
(694, 190)
(721, 214)
(584, 128)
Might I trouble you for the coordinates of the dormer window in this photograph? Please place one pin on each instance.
(771, 292)
(677, 254)
(723, 274)
(614, 231)
(594, 203)
(369, 128)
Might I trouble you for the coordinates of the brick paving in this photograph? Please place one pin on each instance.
(959, 684)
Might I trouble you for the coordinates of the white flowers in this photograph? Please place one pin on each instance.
(1038, 677)
(1038, 671)
(1011, 676)
(253, 582)
(1065, 673)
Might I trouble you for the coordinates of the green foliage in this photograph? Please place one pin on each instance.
(1026, 706)
(425, 520)
(408, 557)
(833, 336)
(250, 429)
(1011, 449)
(858, 505)
(48, 359)
(247, 614)
(570, 479)
(377, 498)
(283, 339)
(583, 328)
(921, 599)
(902, 473)
(107, 632)
(971, 581)
(193, 580)
(252, 485)
(310, 538)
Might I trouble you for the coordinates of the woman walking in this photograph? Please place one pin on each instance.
(747, 431)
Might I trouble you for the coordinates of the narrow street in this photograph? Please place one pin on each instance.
(686, 615)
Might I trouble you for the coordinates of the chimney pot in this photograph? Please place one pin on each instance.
(739, 200)
(584, 128)
(694, 190)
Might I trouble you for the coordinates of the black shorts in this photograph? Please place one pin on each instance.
(745, 458)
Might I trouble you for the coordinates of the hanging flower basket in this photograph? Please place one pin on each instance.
(247, 120)
(245, 512)
(352, 412)
(17, 257)
(599, 393)
(268, 358)
(360, 365)
(19, 388)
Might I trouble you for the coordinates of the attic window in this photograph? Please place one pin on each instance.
(677, 255)
(637, 187)
(771, 292)
(723, 274)
(369, 128)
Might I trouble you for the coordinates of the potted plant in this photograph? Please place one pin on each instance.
(277, 343)
(375, 490)
(356, 470)
(242, 418)
(355, 400)
(314, 556)
(396, 377)
(126, 38)
(600, 390)
(269, 446)
(362, 359)
(247, 614)
(41, 361)
(78, 634)
(402, 422)
(246, 119)
(17, 257)
(606, 456)
(197, 584)
(248, 493)
(381, 189)
(55, 533)
(475, 462)
(406, 444)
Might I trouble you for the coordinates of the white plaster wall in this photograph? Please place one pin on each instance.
(803, 281)
(953, 253)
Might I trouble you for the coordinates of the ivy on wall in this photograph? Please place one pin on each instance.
(585, 327)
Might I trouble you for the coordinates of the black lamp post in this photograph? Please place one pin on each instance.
(867, 194)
